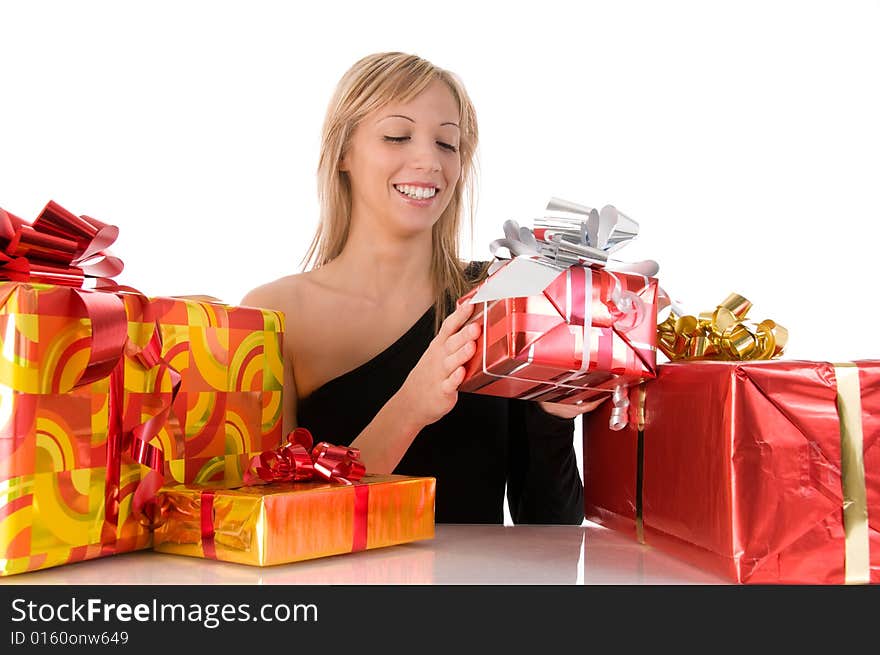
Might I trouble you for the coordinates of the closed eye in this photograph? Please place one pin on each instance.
(401, 139)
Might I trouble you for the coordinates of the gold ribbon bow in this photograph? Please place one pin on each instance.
(721, 334)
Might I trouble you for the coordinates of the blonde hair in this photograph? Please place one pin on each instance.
(371, 83)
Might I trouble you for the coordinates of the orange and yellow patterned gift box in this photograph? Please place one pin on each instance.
(191, 389)
(281, 522)
(105, 393)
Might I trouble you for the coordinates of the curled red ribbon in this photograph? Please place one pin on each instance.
(298, 460)
(145, 504)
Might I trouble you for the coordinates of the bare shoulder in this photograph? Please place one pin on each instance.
(295, 296)
(278, 294)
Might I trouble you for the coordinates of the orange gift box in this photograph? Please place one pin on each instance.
(68, 470)
(282, 522)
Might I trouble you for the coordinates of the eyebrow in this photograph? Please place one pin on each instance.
(412, 121)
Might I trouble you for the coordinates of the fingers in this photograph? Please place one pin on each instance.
(452, 323)
(564, 410)
(467, 333)
(561, 410)
(450, 384)
(459, 357)
(590, 406)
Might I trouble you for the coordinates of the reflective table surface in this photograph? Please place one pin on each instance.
(458, 554)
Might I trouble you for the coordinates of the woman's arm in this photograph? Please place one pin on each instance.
(288, 406)
(385, 440)
(428, 393)
(544, 484)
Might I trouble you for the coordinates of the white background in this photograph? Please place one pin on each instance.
(743, 137)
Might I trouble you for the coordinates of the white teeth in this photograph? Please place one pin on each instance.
(417, 192)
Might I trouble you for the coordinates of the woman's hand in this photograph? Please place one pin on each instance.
(571, 411)
(431, 388)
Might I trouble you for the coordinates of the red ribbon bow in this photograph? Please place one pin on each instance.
(294, 461)
(58, 248)
(298, 460)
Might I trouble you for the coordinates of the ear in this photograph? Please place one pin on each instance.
(343, 163)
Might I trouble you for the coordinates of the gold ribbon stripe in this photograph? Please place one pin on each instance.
(852, 474)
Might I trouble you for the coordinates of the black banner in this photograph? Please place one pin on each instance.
(169, 619)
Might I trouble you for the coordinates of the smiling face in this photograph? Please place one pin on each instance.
(403, 162)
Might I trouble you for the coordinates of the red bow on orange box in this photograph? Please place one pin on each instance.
(58, 248)
(298, 460)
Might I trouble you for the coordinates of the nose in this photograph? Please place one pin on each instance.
(425, 157)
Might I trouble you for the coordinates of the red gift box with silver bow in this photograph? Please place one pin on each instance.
(561, 322)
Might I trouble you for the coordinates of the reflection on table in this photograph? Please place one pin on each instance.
(458, 554)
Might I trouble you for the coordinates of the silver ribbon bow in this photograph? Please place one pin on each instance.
(572, 234)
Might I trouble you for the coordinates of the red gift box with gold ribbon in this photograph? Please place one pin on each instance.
(764, 472)
(102, 389)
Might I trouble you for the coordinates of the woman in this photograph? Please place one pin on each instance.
(374, 345)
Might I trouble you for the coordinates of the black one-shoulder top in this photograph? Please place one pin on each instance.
(482, 445)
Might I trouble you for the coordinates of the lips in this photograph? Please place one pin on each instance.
(417, 191)
(417, 202)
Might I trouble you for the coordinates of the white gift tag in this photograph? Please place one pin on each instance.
(518, 278)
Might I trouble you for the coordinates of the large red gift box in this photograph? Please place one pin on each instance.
(765, 472)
